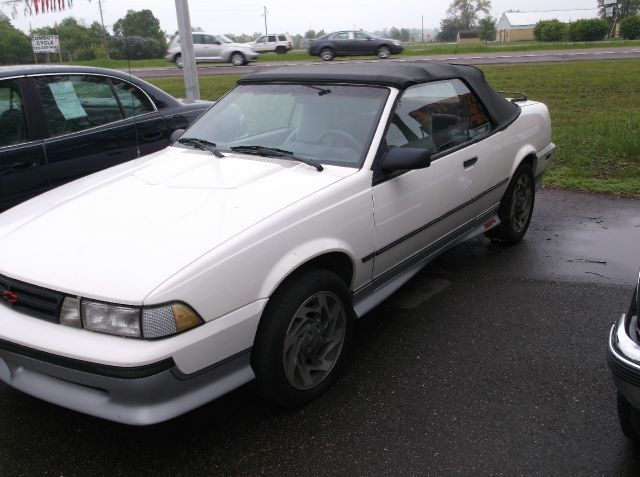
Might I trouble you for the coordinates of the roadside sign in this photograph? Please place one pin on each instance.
(45, 43)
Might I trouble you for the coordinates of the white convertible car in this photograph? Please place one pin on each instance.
(245, 251)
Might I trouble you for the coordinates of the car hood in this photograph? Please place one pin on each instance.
(237, 45)
(118, 234)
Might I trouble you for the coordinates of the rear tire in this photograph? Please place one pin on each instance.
(516, 208)
(327, 54)
(303, 338)
(281, 50)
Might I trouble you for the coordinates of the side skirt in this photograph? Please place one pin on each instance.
(380, 288)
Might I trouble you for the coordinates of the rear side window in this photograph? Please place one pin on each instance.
(133, 101)
(282, 38)
(77, 102)
(13, 127)
(437, 116)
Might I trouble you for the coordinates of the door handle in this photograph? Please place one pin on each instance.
(470, 162)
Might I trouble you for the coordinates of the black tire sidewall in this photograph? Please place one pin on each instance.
(505, 232)
(266, 355)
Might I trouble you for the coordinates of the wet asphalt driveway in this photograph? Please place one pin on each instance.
(490, 362)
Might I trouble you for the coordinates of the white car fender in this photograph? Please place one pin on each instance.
(524, 152)
(299, 256)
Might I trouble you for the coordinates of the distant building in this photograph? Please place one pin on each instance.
(518, 26)
(468, 36)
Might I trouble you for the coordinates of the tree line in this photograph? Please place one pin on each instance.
(137, 35)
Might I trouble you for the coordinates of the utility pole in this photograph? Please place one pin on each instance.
(264, 14)
(104, 32)
(191, 85)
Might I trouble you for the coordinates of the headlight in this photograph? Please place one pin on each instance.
(130, 321)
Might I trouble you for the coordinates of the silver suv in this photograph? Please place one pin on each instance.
(273, 42)
(209, 47)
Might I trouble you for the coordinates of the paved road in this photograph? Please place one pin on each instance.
(490, 362)
(470, 59)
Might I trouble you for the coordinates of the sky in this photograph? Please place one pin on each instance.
(283, 16)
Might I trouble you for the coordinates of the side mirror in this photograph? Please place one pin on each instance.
(175, 135)
(406, 159)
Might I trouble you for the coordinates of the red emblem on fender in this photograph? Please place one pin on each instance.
(9, 296)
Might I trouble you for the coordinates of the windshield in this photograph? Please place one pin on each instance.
(328, 124)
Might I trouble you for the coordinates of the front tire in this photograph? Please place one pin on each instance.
(327, 54)
(626, 415)
(303, 338)
(516, 208)
(178, 60)
(384, 52)
(281, 50)
(237, 59)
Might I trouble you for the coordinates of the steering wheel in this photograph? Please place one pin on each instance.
(346, 139)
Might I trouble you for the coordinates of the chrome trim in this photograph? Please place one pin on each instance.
(3, 78)
(30, 143)
(623, 348)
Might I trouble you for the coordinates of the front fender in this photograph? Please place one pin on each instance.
(297, 257)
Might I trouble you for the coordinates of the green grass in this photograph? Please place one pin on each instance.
(211, 87)
(595, 113)
(418, 49)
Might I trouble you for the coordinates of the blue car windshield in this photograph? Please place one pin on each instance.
(327, 124)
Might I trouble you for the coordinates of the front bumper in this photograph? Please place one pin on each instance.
(140, 396)
(623, 356)
(127, 380)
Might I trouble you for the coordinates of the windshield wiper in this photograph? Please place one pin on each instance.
(275, 152)
(201, 144)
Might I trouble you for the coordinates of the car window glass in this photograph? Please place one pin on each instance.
(133, 101)
(361, 36)
(13, 127)
(272, 38)
(209, 40)
(437, 116)
(282, 38)
(262, 39)
(75, 102)
(198, 39)
(341, 36)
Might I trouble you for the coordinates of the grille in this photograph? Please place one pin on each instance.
(30, 299)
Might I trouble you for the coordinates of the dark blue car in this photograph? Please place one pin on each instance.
(58, 123)
(353, 43)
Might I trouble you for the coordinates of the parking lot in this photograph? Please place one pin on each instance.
(492, 361)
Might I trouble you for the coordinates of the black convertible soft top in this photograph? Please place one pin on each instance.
(398, 75)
